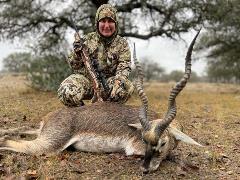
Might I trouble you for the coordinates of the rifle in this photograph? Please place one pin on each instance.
(94, 71)
(101, 77)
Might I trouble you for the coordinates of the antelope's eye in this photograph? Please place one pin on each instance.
(163, 143)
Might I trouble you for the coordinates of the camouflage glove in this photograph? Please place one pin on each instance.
(77, 46)
(118, 89)
(78, 43)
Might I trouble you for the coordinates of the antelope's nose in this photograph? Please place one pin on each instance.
(147, 158)
(144, 170)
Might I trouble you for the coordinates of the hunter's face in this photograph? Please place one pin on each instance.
(107, 27)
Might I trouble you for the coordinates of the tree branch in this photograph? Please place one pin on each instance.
(33, 17)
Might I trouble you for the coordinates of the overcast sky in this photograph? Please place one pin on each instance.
(168, 53)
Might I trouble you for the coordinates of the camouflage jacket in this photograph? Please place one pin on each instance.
(114, 58)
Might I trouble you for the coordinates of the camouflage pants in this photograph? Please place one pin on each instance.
(77, 87)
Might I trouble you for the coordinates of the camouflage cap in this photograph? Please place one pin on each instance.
(106, 10)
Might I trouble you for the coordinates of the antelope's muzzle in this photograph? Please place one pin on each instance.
(147, 158)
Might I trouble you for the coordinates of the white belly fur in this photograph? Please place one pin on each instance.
(101, 144)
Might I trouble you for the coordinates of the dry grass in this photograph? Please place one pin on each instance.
(209, 113)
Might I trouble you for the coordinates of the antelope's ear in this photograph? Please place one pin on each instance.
(137, 126)
(179, 135)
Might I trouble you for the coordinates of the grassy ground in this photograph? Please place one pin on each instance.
(209, 113)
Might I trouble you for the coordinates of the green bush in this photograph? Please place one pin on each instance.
(47, 72)
(44, 72)
(17, 62)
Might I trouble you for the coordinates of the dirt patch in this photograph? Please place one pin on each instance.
(209, 113)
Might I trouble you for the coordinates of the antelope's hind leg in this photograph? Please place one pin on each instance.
(3, 140)
(37, 146)
(49, 140)
(21, 130)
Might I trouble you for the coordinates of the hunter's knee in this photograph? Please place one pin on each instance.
(70, 95)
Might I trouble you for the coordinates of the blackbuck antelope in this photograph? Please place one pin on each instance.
(106, 127)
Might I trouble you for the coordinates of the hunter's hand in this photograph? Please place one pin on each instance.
(77, 47)
(78, 43)
(118, 90)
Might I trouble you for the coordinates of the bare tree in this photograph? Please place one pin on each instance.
(46, 23)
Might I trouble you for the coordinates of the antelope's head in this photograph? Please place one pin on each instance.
(157, 145)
